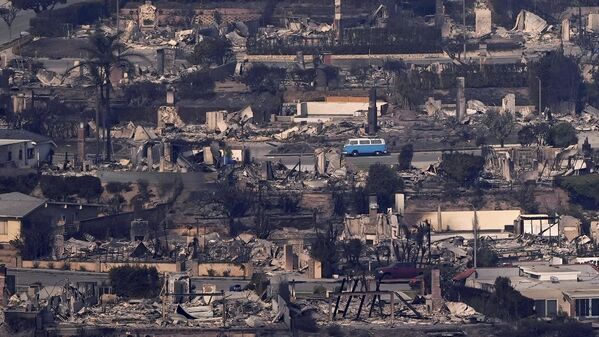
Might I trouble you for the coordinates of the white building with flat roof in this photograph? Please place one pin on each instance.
(569, 289)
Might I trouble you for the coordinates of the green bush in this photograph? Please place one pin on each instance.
(583, 190)
(135, 282)
(59, 188)
(54, 187)
(486, 257)
(562, 135)
(384, 182)
(22, 183)
(89, 187)
(462, 168)
(35, 240)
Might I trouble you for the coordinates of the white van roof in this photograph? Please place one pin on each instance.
(358, 139)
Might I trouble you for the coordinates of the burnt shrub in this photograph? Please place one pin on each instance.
(135, 282)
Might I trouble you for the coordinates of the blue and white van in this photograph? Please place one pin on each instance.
(365, 146)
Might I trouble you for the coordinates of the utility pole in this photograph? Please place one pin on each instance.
(464, 23)
(118, 7)
(428, 230)
(540, 92)
(580, 30)
(475, 229)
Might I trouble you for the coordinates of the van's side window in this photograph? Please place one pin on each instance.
(376, 141)
(364, 142)
(353, 142)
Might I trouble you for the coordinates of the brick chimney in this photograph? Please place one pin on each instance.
(81, 143)
(373, 209)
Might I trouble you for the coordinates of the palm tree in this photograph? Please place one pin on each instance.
(103, 53)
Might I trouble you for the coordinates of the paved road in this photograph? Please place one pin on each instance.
(421, 160)
(195, 180)
(25, 277)
(593, 137)
(220, 283)
(60, 66)
(21, 23)
(49, 277)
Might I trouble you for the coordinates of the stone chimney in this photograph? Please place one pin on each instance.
(338, 21)
(461, 99)
(168, 152)
(372, 111)
(483, 21)
(566, 30)
(400, 203)
(170, 95)
(435, 301)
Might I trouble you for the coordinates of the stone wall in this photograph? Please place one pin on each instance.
(97, 266)
(222, 269)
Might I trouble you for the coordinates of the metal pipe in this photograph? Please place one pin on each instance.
(540, 94)
(475, 232)
(475, 237)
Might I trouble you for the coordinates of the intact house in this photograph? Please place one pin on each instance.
(24, 149)
(20, 213)
(572, 290)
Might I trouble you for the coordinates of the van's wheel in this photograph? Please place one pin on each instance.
(377, 153)
(354, 153)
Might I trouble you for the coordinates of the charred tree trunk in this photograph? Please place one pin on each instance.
(107, 115)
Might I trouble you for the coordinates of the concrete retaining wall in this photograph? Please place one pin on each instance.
(222, 269)
(99, 267)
